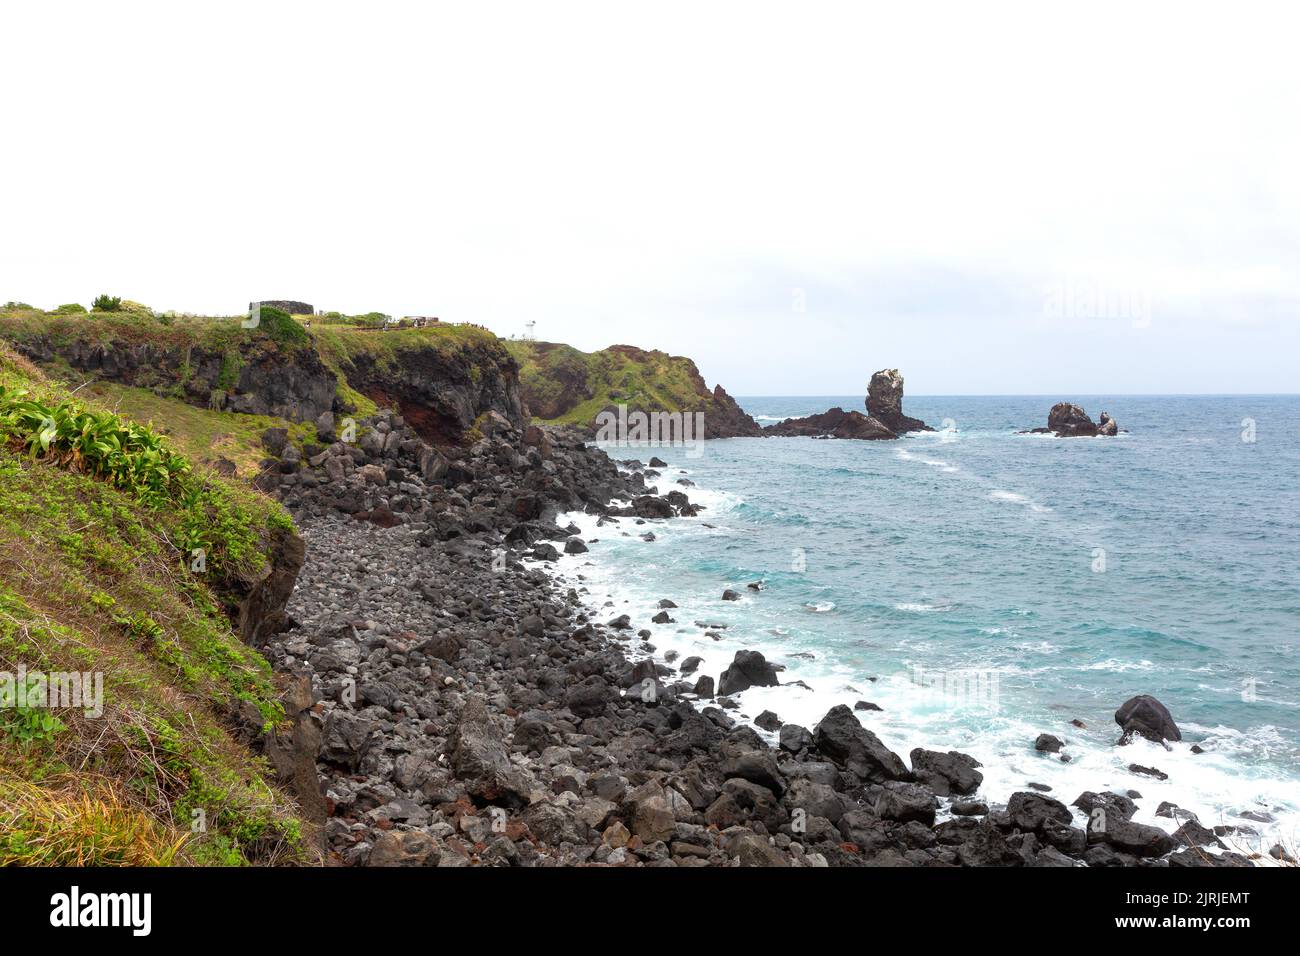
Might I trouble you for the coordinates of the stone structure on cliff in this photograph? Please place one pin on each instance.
(291, 306)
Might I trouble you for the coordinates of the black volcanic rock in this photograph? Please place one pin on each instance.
(1146, 716)
(1066, 420)
(748, 669)
(1070, 421)
(885, 418)
(836, 423)
(885, 403)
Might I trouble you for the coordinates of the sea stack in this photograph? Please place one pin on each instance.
(885, 418)
(885, 403)
(1066, 420)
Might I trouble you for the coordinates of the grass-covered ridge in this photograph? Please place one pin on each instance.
(564, 385)
(96, 576)
(342, 345)
(139, 326)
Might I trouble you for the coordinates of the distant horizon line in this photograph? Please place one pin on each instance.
(738, 397)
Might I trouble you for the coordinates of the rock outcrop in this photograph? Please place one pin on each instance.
(885, 419)
(556, 379)
(441, 392)
(255, 377)
(1147, 717)
(835, 423)
(1067, 420)
(885, 403)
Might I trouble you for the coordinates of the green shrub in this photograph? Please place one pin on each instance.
(135, 459)
(107, 303)
(12, 306)
(72, 308)
(281, 327)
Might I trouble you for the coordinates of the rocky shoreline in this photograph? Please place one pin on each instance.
(463, 710)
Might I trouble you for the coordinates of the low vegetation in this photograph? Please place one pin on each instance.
(98, 520)
(563, 385)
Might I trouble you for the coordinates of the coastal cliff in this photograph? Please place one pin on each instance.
(423, 691)
(444, 377)
(126, 567)
(563, 385)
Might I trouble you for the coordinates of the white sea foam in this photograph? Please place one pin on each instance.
(1014, 497)
(625, 575)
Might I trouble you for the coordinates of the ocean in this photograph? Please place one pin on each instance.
(982, 587)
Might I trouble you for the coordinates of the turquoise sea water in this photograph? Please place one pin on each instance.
(998, 585)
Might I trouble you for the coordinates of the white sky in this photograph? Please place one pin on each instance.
(995, 198)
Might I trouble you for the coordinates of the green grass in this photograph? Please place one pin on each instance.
(92, 579)
(343, 345)
(202, 434)
(648, 380)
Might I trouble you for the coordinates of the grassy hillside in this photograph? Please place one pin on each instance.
(564, 385)
(201, 434)
(98, 519)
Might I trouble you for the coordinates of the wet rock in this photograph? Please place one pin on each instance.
(1046, 743)
(1147, 717)
(748, 669)
(946, 773)
(1034, 812)
(1147, 771)
(841, 738)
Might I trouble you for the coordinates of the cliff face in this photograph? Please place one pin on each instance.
(441, 379)
(563, 385)
(255, 376)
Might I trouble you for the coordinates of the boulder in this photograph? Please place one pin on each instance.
(405, 848)
(1070, 421)
(905, 802)
(650, 812)
(795, 738)
(1125, 836)
(1147, 717)
(1047, 744)
(843, 740)
(758, 767)
(1031, 811)
(986, 846)
(946, 773)
(480, 756)
(748, 669)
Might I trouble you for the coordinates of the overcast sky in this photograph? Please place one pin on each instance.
(993, 198)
